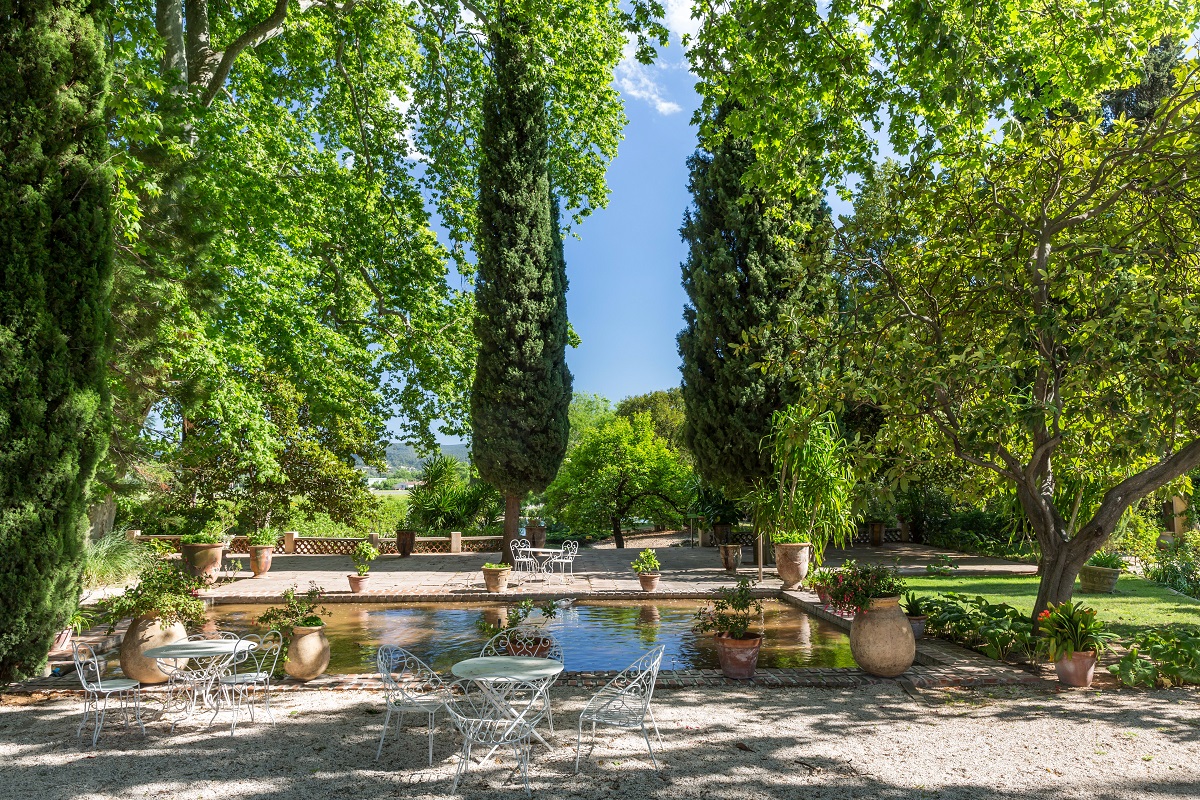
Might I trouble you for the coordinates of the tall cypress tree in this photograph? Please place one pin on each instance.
(742, 271)
(522, 385)
(55, 274)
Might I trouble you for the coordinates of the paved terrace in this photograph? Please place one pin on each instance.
(686, 572)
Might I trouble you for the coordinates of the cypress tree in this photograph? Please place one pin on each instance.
(743, 270)
(55, 275)
(522, 386)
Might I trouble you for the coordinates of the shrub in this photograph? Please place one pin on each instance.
(263, 537)
(1168, 657)
(997, 630)
(364, 553)
(303, 611)
(204, 537)
(731, 614)
(162, 589)
(1178, 566)
(855, 585)
(112, 559)
(646, 562)
(1137, 535)
(1108, 559)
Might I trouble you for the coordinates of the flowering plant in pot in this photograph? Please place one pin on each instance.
(729, 619)
(1072, 638)
(301, 621)
(262, 549)
(881, 638)
(1099, 575)
(362, 556)
(647, 568)
(495, 576)
(819, 581)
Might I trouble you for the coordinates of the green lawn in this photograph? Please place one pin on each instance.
(1136, 605)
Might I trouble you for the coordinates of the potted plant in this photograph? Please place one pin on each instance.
(495, 576)
(729, 619)
(406, 540)
(1099, 575)
(262, 549)
(79, 621)
(159, 605)
(646, 566)
(202, 554)
(881, 639)
(808, 501)
(819, 580)
(535, 531)
(301, 621)
(1072, 638)
(916, 608)
(364, 553)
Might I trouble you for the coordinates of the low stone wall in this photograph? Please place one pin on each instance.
(292, 542)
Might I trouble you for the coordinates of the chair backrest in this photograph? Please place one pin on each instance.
(524, 641)
(497, 712)
(401, 672)
(88, 666)
(261, 658)
(637, 680)
(570, 549)
(518, 546)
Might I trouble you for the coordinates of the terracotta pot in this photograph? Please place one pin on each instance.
(918, 625)
(648, 580)
(731, 557)
(791, 561)
(63, 640)
(706, 538)
(881, 640)
(534, 648)
(823, 596)
(260, 558)
(738, 657)
(358, 582)
(496, 578)
(203, 560)
(1077, 670)
(308, 653)
(144, 633)
(1098, 580)
(405, 542)
(876, 533)
(536, 535)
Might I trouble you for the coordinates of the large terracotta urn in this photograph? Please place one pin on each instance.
(144, 633)
(731, 557)
(881, 639)
(203, 560)
(260, 558)
(791, 561)
(738, 657)
(308, 653)
(495, 579)
(536, 533)
(406, 541)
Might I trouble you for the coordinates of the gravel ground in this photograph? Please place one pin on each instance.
(753, 744)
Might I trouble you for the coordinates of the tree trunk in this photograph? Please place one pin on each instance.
(512, 526)
(169, 24)
(617, 537)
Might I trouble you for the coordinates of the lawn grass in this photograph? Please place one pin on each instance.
(1135, 606)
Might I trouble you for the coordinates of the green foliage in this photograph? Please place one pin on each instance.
(490, 565)
(55, 282)
(112, 560)
(621, 470)
(303, 611)
(987, 531)
(820, 579)
(163, 589)
(855, 585)
(1109, 559)
(204, 537)
(516, 616)
(444, 501)
(263, 537)
(941, 564)
(667, 414)
(585, 412)
(1068, 628)
(732, 613)
(711, 503)
(915, 605)
(996, 629)
(1137, 535)
(646, 562)
(1168, 657)
(362, 556)
(522, 388)
(742, 273)
(1178, 566)
(811, 494)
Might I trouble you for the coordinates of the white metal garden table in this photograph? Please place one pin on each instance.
(544, 556)
(487, 670)
(208, 654)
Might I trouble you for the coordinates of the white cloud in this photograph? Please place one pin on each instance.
(679, 17)
(636, 80)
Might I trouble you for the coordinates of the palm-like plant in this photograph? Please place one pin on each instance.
(444, 501)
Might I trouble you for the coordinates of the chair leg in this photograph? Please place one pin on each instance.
(654, 722)
(463, 763)
(99, 720)
(87, 712)
(267, 702)
(578, 745)
(383, 734)
(646, 736)
(432, 716)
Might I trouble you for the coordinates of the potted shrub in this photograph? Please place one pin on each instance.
(202, 553)
(364, 553)
(1099, 575)
(729, 619)
(159, 605)
(301, 621)
(916, 608)
(262, 549)
(515, 617)
(495, 576)
(819, 580)
(881, 639)
(535, 531)
(646, 566)
(1072, 638)
(793, 553)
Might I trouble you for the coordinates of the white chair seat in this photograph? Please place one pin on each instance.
(113, 685)
(243, 678)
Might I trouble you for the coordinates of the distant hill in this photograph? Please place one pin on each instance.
(402, 455)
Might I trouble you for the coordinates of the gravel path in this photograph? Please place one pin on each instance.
(1008, 744)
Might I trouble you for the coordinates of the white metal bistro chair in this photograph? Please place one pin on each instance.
(566, 560)
(525, 566)
(410, 685)
(624, 702)
(496, 713)
(247, 672)
(97, 690)
(531, 642)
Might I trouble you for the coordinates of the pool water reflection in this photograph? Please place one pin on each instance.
(594, 635)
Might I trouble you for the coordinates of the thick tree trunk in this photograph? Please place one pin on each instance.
(1060, 565)
(512, 525)
(617, 537)
(168, 22)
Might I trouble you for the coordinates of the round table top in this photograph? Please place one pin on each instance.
(521, 668)
(206, 648)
